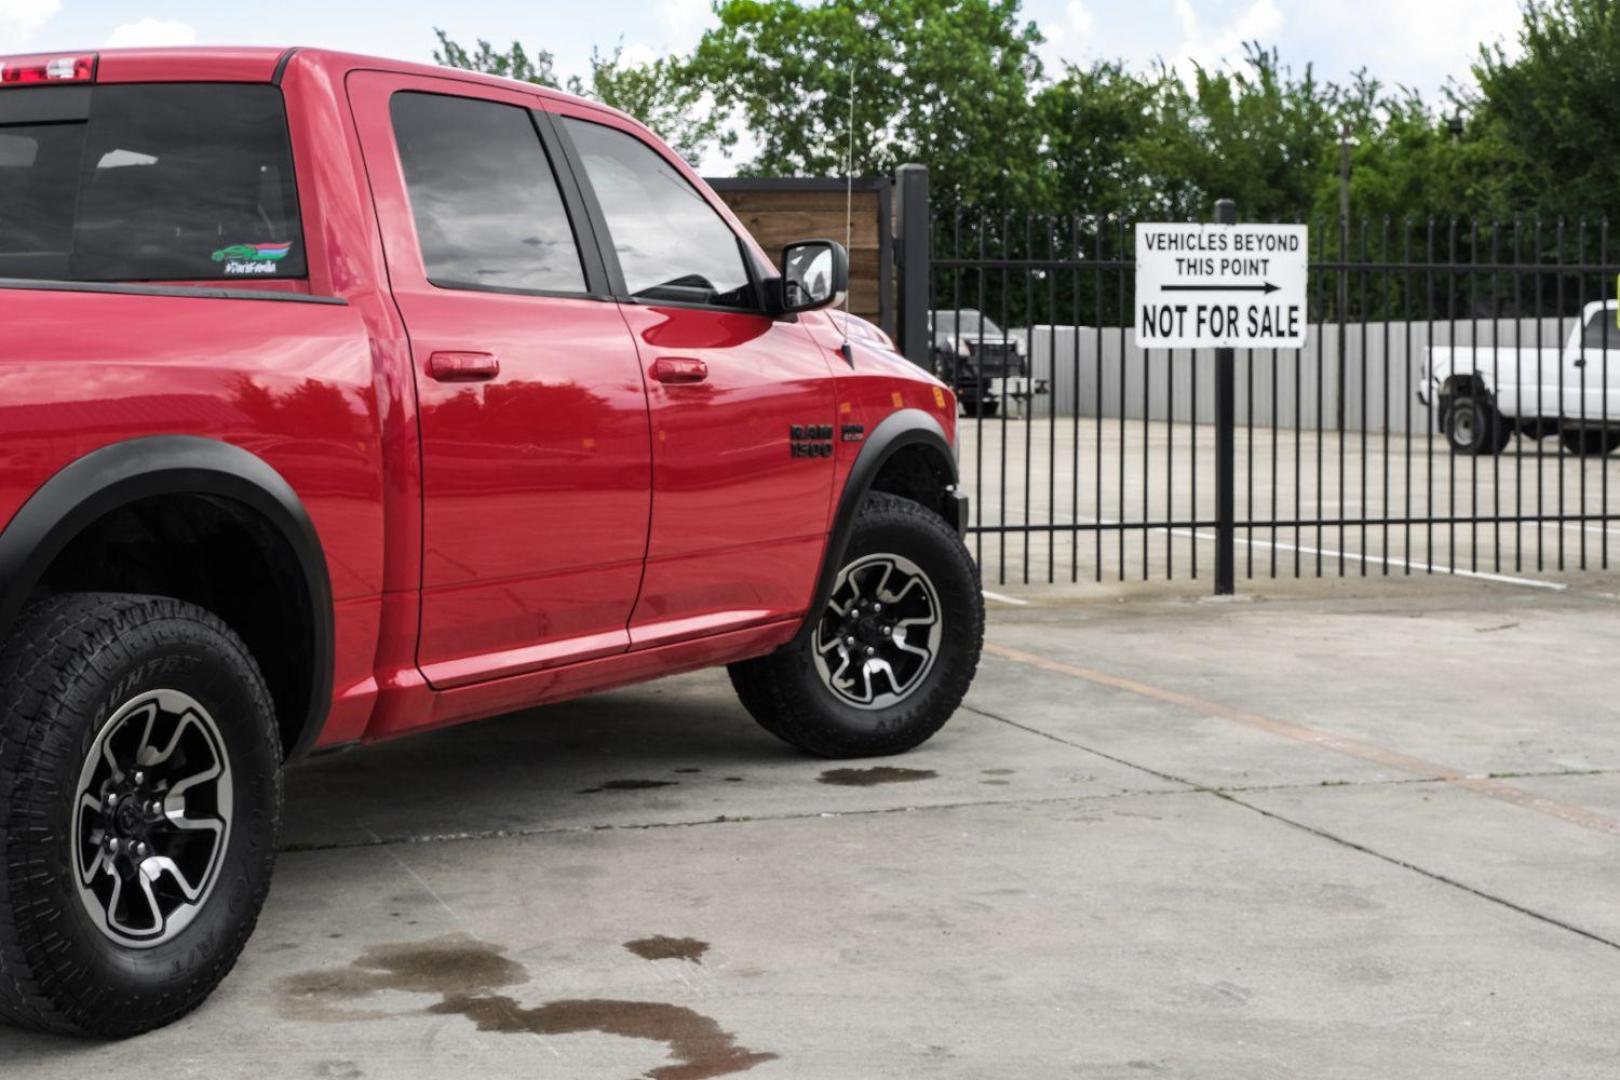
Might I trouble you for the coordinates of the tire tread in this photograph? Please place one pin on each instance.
(61, 644)
(775, 692)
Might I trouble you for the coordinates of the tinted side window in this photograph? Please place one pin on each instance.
(1602, 332)
(489, 214)
(671, 244)
(148, 183)
(39, 183)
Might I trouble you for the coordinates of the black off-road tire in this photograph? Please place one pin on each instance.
(790, 697)
(751, 680)
(74, 661)
(1474, 428)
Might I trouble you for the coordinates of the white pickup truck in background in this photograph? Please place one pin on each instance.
(1485, 394)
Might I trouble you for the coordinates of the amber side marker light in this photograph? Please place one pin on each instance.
(43, 70)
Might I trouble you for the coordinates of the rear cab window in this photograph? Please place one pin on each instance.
(487, 204)
(176, 182)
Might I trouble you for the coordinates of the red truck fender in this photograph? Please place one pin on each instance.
(123, 473)
(915, 438)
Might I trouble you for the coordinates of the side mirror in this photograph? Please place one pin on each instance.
(815, 274)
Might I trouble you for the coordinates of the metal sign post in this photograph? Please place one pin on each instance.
(1225, 448)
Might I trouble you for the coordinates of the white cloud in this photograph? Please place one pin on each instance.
(684, 22)
(150, 32)
(1418, 43)
(1209, 47)
(638, 54)
(1070, 39)
(20, 19)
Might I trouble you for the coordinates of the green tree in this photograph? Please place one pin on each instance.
(1096, 126)
(943, 82)
(661, 94)
(514, 63)
(665, 96)
(1257, 134)
(1548, 118)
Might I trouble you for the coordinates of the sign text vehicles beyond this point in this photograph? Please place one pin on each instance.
(1221, 286)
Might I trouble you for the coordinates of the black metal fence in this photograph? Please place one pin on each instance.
(1091, 459)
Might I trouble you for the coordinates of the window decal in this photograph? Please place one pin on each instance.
(252, 258)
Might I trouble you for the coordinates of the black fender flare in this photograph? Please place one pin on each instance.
(898, 430)
(121, 473)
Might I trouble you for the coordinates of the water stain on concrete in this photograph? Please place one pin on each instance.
(627, 785)
(698, 1045)
(659, 947)
(465, 973)
(878, 774)
(455, 964)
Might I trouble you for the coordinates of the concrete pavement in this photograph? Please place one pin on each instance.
(1369, 832)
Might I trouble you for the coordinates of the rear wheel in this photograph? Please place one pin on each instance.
(1473, 427)
(888, 660)
(1590, 441)
(140, 800)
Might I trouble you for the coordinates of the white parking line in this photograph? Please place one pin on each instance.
(1325, 552)
(1394, 560)
(1328, 553)
(988, 595)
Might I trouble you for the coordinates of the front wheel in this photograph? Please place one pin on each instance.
(886, 663)
(140, 800)
(1474, 428)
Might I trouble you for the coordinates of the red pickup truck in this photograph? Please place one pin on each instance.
(342, 399)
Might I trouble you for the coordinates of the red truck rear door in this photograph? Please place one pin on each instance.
(534, 416)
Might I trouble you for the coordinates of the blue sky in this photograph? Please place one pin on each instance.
(1420, 43)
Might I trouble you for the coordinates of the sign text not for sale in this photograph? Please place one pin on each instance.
(1220, 286)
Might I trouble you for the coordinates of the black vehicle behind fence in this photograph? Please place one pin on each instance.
(986, 365)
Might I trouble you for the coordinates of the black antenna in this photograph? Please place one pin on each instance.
(849, 210)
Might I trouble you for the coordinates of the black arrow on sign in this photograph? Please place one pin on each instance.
(1268, 288)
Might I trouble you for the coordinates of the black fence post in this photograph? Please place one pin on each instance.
(1225, 448)
(914, 244)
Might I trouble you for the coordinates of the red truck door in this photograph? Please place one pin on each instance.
(739, 515)
(536, 466)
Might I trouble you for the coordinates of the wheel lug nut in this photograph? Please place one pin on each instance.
(112, 801)
(113, 846)
(141, 851)
(140, 778)
(870, 651)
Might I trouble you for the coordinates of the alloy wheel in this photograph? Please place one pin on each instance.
(880, 633)
(152, 818)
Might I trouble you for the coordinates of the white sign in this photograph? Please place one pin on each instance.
(1220, 286)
